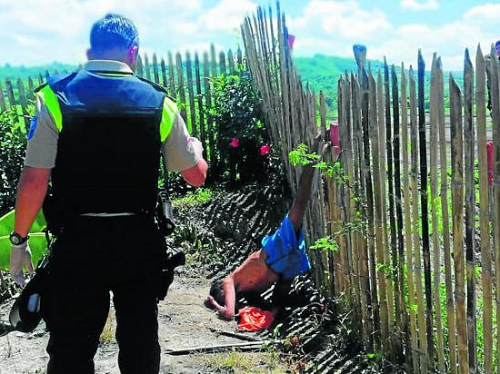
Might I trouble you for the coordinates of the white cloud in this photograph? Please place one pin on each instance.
(483, 12)
(38, 32)
(340, 21)
(332, 27)
(227, 15)
(419, 5)
(58, 30)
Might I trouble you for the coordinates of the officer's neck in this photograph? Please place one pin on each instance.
(114, 55)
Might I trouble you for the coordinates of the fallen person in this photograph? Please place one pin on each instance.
(280, 260)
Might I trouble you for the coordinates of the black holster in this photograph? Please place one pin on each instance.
(55, 215)
(169, 263)
(166, 225)
(164, 214)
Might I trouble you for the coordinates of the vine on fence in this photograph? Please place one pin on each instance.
(300, 156)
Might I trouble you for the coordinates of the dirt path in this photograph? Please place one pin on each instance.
(184, 322)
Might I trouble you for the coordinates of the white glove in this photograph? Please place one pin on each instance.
(20, 255)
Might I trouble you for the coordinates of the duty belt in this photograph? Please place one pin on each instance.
(121, 214)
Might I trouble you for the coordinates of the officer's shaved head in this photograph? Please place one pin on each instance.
(113, 31)
(114, 37)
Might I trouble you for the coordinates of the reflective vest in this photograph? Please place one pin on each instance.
(111, 128)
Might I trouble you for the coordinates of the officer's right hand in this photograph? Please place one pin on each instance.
(20, 255)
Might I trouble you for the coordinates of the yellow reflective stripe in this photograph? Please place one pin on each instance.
(52, 103)
(167, 118)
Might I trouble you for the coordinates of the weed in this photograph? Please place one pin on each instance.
(240, 362)
(197, 197)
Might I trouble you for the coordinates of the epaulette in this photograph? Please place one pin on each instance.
(157, 87)
(36, 89)
(53, 79)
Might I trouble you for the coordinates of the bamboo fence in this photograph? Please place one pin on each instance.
(414, 219)
(406, 193)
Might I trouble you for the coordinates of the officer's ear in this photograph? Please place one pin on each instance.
(133, 52)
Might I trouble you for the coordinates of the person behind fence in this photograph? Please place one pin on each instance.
(99, 134)
(280, 260)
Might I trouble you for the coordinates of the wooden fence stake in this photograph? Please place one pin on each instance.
(415, 356)
(450, 302)
(3, 105)
(189, 77)
(434, 210)
(424, 363)
(457, 198)
(495, 100)
(378, 225)
(470, 207)
(486, 274)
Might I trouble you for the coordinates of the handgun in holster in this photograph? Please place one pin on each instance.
(164, 214)
(166, 225)
(171, 261)
(54, 216)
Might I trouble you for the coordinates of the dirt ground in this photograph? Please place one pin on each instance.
(184, 322)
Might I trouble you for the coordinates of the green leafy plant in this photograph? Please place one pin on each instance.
(325, 244)
(245, 152)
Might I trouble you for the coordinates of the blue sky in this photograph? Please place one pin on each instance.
(34, 32)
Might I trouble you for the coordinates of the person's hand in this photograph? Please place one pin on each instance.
(19, 256)
(316, 142)
(320, 147)
(223, 311)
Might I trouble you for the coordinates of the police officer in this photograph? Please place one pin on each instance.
(98, 134)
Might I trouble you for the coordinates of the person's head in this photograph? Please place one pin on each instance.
(497, 47)
(114, 37)
(217, 292)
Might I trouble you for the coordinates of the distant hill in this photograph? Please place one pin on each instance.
(8, 71)
(323, 72)
(320, 72)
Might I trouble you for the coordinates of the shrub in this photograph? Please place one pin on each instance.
(243, 140)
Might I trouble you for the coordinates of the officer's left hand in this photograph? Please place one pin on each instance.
(20, 255)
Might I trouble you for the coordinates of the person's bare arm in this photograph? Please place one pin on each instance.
(228, 309)
(296, 213)
(30, 195)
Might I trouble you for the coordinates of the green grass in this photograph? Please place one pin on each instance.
(197, 197)
(267, 362)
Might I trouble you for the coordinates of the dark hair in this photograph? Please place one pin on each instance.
(113, 31)
(217, 292)
(497, 43)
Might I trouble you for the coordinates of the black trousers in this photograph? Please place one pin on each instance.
(92, 257)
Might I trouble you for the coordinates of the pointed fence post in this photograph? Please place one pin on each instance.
(155, 69)
(3, 105)
(457, 197)
(424, 358)
(434, 117)
(486, 273)
(192, 112)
